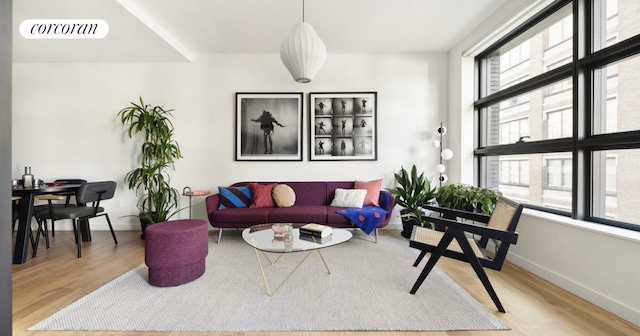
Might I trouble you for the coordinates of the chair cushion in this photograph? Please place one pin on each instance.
(433, 237)
(69, 212)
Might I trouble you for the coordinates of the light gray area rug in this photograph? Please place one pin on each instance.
(368, 289)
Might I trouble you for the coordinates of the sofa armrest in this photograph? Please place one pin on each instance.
(387, 201)
(212, 202)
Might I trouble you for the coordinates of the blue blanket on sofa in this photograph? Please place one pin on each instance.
(367, 217)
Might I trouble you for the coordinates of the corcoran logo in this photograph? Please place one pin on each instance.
(64, 29)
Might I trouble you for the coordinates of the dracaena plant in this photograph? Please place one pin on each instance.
(158, 152)
(412, 192)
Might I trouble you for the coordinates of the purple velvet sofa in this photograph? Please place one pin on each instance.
(312, 204)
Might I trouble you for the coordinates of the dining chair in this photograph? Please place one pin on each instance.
(88, 198)
(15, 217)
(66, 196)
(468, 242)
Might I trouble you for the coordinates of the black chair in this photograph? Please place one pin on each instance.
(500, 229)
(88, 198)
(15, 217)
(66, 196)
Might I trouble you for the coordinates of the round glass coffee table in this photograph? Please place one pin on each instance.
(262, 238)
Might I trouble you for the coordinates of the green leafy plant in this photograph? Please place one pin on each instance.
(412, 192)
(158, 153)
(466, 197)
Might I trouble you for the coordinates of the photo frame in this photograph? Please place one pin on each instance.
(269, 126)
(343, 126)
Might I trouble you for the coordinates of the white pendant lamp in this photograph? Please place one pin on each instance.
(303, 52)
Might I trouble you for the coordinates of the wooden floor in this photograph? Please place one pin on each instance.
(55, 279)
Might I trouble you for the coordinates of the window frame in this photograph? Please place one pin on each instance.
(579, 71)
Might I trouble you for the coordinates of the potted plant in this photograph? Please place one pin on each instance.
(412, 192)
(158, 153)
(466, 197)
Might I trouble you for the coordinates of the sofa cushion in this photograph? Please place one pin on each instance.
(373, 191)
(299, 214)
(234, 197)
(262, 195)
(310, 193)
(349, 198)
(337, 219)
(244, 216)
(283, 196)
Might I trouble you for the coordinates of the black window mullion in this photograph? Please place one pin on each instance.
(537, 82)
(533, 147)
(610, 141)
(612, 54)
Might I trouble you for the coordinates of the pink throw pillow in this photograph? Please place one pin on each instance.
(262, 195)
(373, 191)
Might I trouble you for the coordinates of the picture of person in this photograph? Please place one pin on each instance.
(321, 106)
(269, 126)
(347, 128)
(323, 147)
(343, 126)
(321, 129)
(343, 147)
(363, 145)
(266, 121)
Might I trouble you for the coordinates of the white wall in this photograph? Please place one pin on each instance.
(594, 262)
(65, 125)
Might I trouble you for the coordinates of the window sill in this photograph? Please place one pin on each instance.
(611, 231)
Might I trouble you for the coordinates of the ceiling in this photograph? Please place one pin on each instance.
(177, 30)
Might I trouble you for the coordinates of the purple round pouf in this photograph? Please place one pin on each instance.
(175, 251)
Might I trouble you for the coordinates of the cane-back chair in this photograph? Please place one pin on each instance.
(469, 241)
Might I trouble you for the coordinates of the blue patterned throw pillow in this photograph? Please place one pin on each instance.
(234, 197)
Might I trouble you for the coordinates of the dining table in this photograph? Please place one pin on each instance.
(25, 210)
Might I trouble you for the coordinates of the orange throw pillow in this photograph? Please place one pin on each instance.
(373, 191)
(262, 195)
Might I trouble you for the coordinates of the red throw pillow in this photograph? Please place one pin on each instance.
(373, 191)
(262, 195)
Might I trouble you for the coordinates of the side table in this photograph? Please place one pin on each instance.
(193, 193)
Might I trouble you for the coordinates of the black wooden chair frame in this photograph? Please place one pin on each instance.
(456, 230)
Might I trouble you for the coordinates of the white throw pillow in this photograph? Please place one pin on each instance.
(349, 198)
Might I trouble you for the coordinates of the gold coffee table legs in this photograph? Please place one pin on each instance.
(264, 277)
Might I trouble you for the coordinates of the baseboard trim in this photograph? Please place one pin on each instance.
(593, 296)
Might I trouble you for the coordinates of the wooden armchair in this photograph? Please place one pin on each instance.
(470, 241)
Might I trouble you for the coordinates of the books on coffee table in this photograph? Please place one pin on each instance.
(314, 239)
(316, 230)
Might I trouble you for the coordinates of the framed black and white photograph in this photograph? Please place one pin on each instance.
(343, 126)
(269, 126)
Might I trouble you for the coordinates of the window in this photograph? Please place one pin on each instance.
(559, 174)
(559, 124)
(514, 172)
(560, 31)
(514, 56)
(578, 111)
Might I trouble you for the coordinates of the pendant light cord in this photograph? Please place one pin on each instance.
(302, 10)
